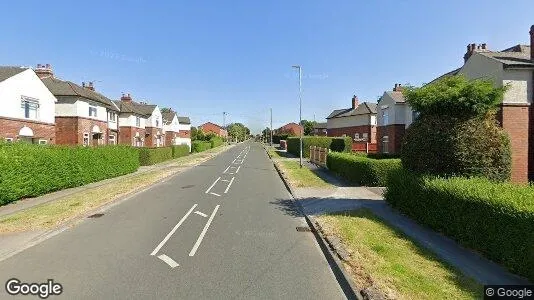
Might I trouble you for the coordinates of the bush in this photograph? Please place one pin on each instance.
(496, 219)
(28, 170)
(448, 146)
(199, 146)
(151, 156)
(278, 137)
(216, 141)
(338, 144)
(362, 170)
(377, 155)
(179, 150)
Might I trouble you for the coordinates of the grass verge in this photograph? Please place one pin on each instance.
(301, 177)
(274, 154)
(386, 258)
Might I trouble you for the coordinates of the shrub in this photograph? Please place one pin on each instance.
(151, 156)
(338, 144)
(278, 137)
(496, 219)
(362, 170)
(199, 146)
(448, 146)
(377, 155)
(216, 141)
(179, 150)
(28, 170)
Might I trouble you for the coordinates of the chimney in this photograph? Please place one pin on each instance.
(44, 71)
(354, 102)
(126, 97)
(532, 42)
(397, 88)
(88, 85)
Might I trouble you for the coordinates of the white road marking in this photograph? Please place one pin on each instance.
(172, 231)
(201, 214)
(233, 161)
(245, 156)
(228, 187)
(226, 169)
(237, 171)
(199, 240)
(225, 180)
(215, 194)
(169, 261)
(208, 190)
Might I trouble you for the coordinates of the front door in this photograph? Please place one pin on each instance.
(96, 139)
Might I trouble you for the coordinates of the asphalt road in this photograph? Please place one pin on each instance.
(224, 229)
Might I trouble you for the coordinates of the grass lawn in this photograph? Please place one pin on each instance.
(386, 257)
(301, 177)
(274, 154)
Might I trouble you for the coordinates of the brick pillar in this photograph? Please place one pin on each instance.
(514, 119)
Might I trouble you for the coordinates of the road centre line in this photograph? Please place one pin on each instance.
(169, 261)
(226, 169)
(173, 230)
(201, 236)
(208, 190)
(237, 171)
(228, 187)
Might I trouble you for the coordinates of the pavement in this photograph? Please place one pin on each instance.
(225, 229)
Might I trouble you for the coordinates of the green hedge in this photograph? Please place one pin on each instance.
(377, 155)
(362, 170)
(496, 219)
(278, 137)
(151, 156)
(179, 150)
(338, 144)
(216, 141)
(28, 170)
(199, 146)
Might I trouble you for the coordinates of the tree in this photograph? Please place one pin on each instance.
(308, 126)
(238, 131)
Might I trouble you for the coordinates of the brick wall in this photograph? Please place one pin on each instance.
(395, 133)
(350, 131)
(151, 134)
(70, 131)
(10, 128)
(515, 121)
(169, 137)
(531, 145)
(208, 127)
(127, 133)
(184, 134)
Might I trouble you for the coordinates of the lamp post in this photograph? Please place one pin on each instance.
(300, 109)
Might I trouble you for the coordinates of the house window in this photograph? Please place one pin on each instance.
(365, 136)
(385, 117)
(92, 111)
(86, 139)
(112, 140)
(112, 117)
(157, 122)
(30, 107)
(137, 121)
(385, 144)
(356, 136)
(43, 142)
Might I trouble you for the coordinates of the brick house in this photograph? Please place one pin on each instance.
(82, 115)
(27, 110)
(358, 121)
(319, 129)
(213, 128)
(170, 125)
(394, 115)
(292, 129)
(184, 131)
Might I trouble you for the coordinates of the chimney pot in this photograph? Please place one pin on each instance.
(44, 71)
(354, 101)
(532, 42)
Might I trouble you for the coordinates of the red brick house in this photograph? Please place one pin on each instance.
(27, 112)
(133, 118)
(213, 128)
(184, 131)
(358, 121)
(83, 116)
(293, 129)
(319, 129)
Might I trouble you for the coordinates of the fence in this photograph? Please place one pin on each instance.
(318, 155)
(364, 147)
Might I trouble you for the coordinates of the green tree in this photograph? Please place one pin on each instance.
(238, 131)
(308, 126)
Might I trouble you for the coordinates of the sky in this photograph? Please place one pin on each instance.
(203, 58)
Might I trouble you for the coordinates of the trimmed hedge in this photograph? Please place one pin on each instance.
(216, 141)
(179, 150)
(199, 146)
(377, 155)
(151, 156)
(338, 144)
(277, 138)
(496, 219)
(362, 170)
(28, 170)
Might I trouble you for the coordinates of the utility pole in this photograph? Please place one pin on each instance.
(224, 124)
(300, 110)
(271, 128)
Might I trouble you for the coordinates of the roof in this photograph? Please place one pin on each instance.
(448, 74)
(184, 120)
(66, 88)
(133, 107)
(168, 115)
(397, 96)
(516, 56)
(212, 124)
(8, 72)
(319, 125)
(363, 109)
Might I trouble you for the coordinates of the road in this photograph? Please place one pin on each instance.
(224, 229)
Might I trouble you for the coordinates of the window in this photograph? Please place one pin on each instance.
(112, 140)
(157, 122)
(385, 144)
(385, 117)
(43, 142)
(137, 121)
(9, 140)
(415, 115)
(365, 136)
(86, 139)
(356, 136)
(324, 130)
(112, 117)
(92, 111)
(30, 107)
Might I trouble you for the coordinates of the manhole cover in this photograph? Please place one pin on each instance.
(188, 186)
(96, 216)
(303, 229)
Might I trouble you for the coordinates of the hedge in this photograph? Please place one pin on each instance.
(362, 170)
(199, 146)
(377, 155)
(338, 144)
(151, 156)
(179, 150)
(216, 141)
(278, 137)
(495, 219)
(28, 170)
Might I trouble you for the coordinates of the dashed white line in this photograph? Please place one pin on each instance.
(212, 193)
(226, 169)
(228, 187)
(208, 190)
(169, 261)
(172, 231)
(199, 240)
(201, 214)
(237, 171)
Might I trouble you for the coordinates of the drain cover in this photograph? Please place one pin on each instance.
(188, 186)
(96, 216)
(303, 229)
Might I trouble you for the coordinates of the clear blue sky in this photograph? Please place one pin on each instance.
(206, 57)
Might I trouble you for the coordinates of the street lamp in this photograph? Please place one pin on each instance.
(300, 109)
